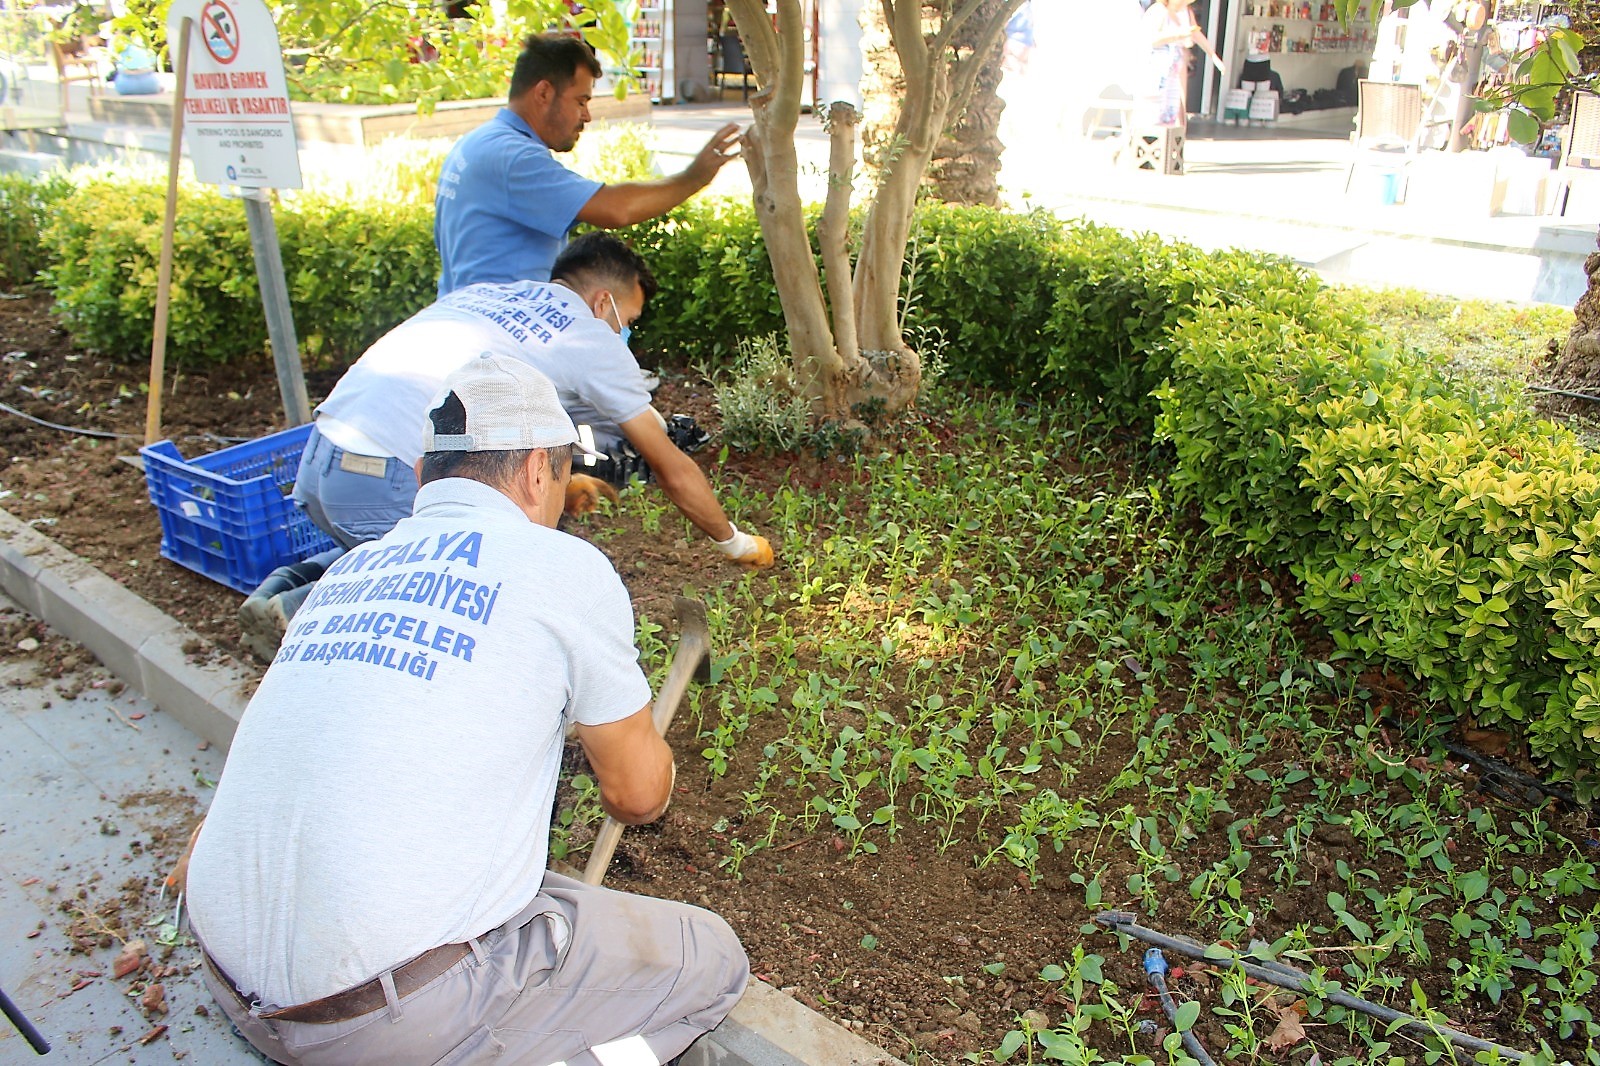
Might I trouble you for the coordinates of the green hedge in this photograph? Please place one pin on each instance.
(26, 204)
(1082, 308)
(1018, 300)
(352, 270)
(715, 277)
(1428, 526)
(1024, 300)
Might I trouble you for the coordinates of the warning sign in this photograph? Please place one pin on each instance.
(219, 32)
(236, 117)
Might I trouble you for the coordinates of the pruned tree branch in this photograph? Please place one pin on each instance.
(754, 155)
(791, 38)
(759, 38)
(833, 228)
(904, 18)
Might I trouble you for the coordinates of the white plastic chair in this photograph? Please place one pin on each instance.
(1580, 149)
(1388, 124)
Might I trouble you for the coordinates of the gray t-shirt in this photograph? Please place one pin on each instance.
(390, 785)
(384, 396)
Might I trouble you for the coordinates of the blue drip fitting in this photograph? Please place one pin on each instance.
(1155, 969)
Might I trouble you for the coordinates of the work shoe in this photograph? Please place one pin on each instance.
(686, 433)
(265, 613)
(263, 621)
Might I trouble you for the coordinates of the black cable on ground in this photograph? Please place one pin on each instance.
(1490, 769)
(35, 1039)
(104, 435)
(1489, 766)
(1277, 973)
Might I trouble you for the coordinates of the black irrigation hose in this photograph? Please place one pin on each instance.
(1563, 392)
(8, 409)
(104, 435)
(34, 1038)
(1288, 977)
(1489, 766)
(1490, 769)
(1155, 968)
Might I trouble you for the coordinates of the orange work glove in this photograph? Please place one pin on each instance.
(749, 551)
(584, 492)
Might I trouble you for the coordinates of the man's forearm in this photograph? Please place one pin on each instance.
(686, 486)
(627, 202)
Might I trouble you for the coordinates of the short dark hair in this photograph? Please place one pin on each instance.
(599, 259)
(554, 58)
(494, 468)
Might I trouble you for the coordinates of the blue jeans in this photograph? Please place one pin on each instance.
(352, 498)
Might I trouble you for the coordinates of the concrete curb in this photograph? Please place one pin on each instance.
(140, 644)
(145, 648)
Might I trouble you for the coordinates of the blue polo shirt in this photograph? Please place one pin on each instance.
(504, 206)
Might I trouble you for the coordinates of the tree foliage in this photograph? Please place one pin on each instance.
(385, 52)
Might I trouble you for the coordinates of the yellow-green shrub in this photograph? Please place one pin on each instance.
(1429, 526)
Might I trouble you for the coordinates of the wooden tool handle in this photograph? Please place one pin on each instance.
(693, 647)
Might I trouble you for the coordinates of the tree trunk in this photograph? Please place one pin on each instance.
(1577, 365)
(858, 355)
(966, 164)
(888, 227)
(774, 166)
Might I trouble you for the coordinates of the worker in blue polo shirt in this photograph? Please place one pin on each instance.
(505, 204)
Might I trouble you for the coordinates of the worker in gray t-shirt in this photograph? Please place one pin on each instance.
(370, 883)
(356, 480)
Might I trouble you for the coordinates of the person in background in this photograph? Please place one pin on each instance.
(356, 480)
(1172, 32)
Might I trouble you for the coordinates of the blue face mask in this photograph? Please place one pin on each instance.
(622, 331)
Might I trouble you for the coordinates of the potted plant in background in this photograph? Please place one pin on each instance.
(77, 32)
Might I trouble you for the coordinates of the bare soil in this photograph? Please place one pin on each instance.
(919, 952)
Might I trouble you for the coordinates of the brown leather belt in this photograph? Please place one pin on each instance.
(363, 998)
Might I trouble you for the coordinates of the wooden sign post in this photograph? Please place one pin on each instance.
(233, 103)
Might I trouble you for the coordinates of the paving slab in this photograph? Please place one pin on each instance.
(90, 785)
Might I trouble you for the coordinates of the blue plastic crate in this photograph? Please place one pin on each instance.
(228, 515)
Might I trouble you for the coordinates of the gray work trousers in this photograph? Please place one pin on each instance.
(583, 976)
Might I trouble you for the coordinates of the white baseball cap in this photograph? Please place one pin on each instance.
(506, 405)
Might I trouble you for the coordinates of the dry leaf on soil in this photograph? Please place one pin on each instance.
(1290, 1030)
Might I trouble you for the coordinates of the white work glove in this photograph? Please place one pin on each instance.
(749, 551)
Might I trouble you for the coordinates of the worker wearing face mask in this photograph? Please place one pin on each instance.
(356, 478)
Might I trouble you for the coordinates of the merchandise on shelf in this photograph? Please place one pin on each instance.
(652, 45)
